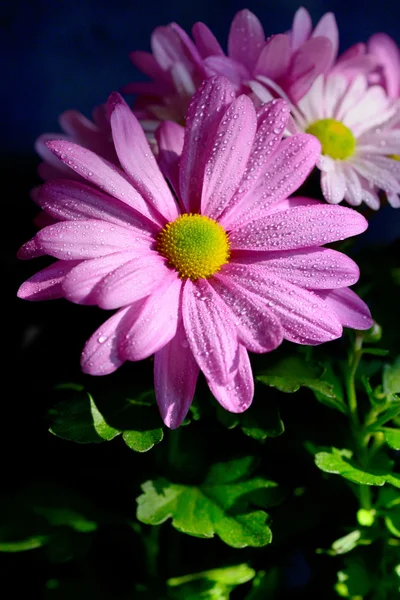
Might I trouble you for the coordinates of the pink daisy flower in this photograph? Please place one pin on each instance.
(224, 266)
(355, 124)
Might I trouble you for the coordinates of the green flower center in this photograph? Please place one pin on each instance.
(194, 245)
(336, 139)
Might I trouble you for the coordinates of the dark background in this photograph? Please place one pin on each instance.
(57, 55)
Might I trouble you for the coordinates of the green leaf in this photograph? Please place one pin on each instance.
(375, 351)
(215, 584)
(82, 420)
(392, 522)
(293, 372)
(391, 378)
(219, 506)
(392, 437)
(340, 462)
(29, 543)
(353, 581)
(260, 421)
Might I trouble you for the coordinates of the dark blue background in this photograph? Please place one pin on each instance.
(70, 54)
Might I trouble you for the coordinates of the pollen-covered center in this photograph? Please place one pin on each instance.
(336, 139)
(194, 245)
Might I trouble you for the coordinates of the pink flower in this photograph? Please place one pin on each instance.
(225, 265)
(387, 55)
(355, 125)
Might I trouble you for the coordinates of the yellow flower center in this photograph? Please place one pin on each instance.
(194, 245)
(336, 139)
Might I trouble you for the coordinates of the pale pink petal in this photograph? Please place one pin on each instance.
(281, 176)
(348, 307)
(313, 58)
(372, 109)
(394, 200)
(227, 162)
(183, 80)
(69, 200)
(301, 28)
(235, 71)
(299, 227)
(313, 268)
(154, 321)
(257, 328)
(131, 281)
(100, 355)
(100, 172)
(203, 117)
(137, 159)
(175, 377)
(87, 134)
(274, 58)
(246, 38)
(171, 44)
(335, 88)
(169, 138)
(305, 318)
(354, 193)
(327, 27)
(80, 284)
(376, 175)
(46, 284)
(311, 105)
(237, 395)
(206, 42)
(146, 63)
(388, 55)
(333, 184)
(210, 331)
(70, 240)
(30, 249)
(354, 93)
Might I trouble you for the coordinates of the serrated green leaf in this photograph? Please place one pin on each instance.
(392, 437)
(339, 462)
(219, 506)
(391, 378)
(211, 585)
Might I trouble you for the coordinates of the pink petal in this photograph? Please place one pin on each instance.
(257, 328)
(100, 355)
(274, 58)
(227, 162)
(46, 284)
(237, 395)
(206, 42)
(301, 28)
(210, 331)
(100, 172)
(86, 133)
(131, 281)
(348, 307)
(70, 240)
(81, 282)
(68, 200)
(171, 44)
(333, 185)
(280, 176)
(175, 377)
(292, 203)
(305, 318)
(313, 268)
(30, 250)
(246, 38)
(146, 63)
(154, 321)
(203, 117)
(312, 59)
(327, 27)
(299, 227)
(170, 138)
(233, 70)
(137, 159)
(388, 55)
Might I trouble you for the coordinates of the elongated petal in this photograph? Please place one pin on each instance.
(210, 331)
(327, 27)
(388, 55)
(237, 395)
(227, 162)
(305, 318)
(46, 284)
(313, 58)
(301, 28)
(169, 138)
(30, 249)
(175, 377)
(224, 66)
(80, 284)
(333, 185)
(246, 38)
(131, 281)
(206, 42)
(274, 59)
(100, 355)
(257, 327)
(348, 307)
(300, 227)
(313, 268)
(146, 62)
(102, 173)
(204, 114)
(68, 200)
(154, 321)
(137, 159)
(71, 240)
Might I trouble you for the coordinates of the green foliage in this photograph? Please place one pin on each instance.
(80, 419)
(354, 580)
(391, 378)
(215, 584)
(260, 421)
(219, 506)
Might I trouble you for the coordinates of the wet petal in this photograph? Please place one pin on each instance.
(237, 395)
